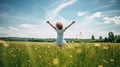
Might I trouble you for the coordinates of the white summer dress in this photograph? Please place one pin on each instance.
(60, 40)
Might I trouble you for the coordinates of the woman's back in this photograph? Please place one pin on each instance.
(60, 38)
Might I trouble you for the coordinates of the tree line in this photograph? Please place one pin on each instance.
(111, 38)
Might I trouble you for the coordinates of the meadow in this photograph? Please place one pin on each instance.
(46, 54)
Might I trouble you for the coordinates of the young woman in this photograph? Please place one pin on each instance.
(60, 32)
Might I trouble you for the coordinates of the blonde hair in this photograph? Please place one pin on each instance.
(59, 25)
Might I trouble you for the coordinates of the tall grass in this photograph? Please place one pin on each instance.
(43, 54)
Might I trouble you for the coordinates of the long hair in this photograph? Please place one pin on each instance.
(59, 25)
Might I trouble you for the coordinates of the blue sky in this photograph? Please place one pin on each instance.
(27, 18)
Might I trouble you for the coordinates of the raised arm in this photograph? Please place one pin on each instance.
(51, 25)
(69, 25)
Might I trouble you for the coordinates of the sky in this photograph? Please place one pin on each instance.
(27, 18)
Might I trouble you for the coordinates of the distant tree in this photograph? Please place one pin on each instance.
(93, 38)
(117, 39)
(116, 36)
(111, 36)
(106, 39)
(100, 37)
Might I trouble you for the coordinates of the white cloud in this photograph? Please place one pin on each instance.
(115, 19)
(13, 28)
(1, 27)
(107, 20)
(26, 25)
(56, 3)
(81, 13)
(60, 7)
(95, 15)
(51, 15)
(36, 31)
(91, 20)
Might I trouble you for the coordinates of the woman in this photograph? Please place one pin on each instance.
(60, 32)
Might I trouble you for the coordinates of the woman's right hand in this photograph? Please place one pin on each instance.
(48, 22)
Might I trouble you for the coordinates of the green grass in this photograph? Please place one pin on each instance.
(37, 54)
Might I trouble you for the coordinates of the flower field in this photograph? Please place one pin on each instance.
(45, 54)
